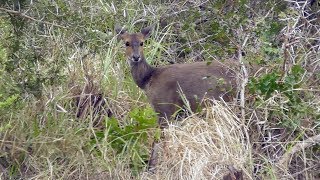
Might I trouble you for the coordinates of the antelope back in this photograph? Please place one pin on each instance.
(170, 85)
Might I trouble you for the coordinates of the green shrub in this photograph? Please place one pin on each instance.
(295, 107)
(131, 139)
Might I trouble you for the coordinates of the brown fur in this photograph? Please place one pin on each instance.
(162, 84)
(196, 81)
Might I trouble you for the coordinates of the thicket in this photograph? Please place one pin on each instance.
(69, 108)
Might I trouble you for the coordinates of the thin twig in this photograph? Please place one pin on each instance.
(285, 47)
(18, 13)
(304, 170)
(298, 147)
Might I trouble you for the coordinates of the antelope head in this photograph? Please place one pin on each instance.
(134, 43)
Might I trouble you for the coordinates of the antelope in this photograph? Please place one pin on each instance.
(167, 87)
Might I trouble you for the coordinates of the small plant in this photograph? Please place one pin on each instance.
(8, 101)
(295, 108)
(133, 137)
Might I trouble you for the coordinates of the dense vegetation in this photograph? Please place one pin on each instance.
(69, 108)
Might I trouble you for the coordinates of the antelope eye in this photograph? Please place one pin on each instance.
(127, 44)
(141, 44)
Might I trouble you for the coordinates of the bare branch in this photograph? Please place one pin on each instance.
(283, 162)
(18, 13)
(244, 80)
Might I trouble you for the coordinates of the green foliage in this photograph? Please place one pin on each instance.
(265, 85)
(22, 71)
(8, 101)
(296, 107)
(36, 56)
(271, 82)
(133, 137)
(7, 98)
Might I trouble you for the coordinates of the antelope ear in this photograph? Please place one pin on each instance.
(146, 31)
(120, 32)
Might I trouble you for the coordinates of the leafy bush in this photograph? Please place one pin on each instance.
(295, 107)
(131, 138)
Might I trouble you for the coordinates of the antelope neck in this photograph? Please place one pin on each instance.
(141, 72)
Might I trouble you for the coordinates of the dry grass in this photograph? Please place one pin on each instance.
(204, 146)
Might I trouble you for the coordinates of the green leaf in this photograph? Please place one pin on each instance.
(9, 101)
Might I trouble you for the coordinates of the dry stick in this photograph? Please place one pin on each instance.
(245, 79)
(283, 162)
(245, 75)
(285, 47)
(18, 13)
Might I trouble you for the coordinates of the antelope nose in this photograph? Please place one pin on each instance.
(136, 58)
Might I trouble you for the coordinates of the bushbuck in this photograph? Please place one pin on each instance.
(169, 88)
